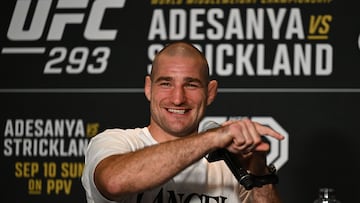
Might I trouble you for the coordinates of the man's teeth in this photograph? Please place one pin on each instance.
(178, 111)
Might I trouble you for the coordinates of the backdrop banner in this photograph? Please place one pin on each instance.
(71, 69)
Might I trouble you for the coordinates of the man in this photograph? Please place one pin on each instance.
(165, 161)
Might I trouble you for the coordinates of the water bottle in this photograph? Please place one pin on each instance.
(326, 195)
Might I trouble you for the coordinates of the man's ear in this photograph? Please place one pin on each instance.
(212, 91)
(147, 87)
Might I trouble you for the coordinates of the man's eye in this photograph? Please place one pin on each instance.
(192, 85)
(165, 84)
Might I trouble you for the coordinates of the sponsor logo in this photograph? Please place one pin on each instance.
(43, 20)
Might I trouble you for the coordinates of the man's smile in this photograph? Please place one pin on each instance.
(177, 111)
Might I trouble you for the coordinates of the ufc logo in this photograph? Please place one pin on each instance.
(58, 21)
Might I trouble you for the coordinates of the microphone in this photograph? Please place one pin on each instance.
(233, 163)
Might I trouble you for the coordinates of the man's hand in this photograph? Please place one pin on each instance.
(248, 144)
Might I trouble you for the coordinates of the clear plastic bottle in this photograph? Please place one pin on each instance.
(326, 195)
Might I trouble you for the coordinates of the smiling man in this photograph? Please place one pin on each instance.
(165, 161)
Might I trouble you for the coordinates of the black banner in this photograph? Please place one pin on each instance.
(70, 69)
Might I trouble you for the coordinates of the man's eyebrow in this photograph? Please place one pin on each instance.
(191, 79)
(187, 79)
(163, 78)
(196, 80)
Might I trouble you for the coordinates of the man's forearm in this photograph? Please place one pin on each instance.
(130, 173)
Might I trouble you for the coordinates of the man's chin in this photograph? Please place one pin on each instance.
(182, 130)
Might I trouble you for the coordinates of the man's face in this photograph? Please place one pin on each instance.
(178, 94)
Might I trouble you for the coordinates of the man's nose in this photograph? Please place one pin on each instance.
(178, 95)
